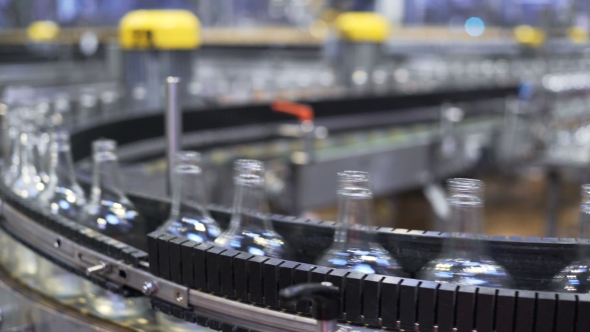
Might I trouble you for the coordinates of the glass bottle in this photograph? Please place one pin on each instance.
(27, 183)
(45, 126)
(355, 247)
(109, 211)
(10, 146)
(575, 278)
(250, 228)
(463, 260)
(188, 215)
(62, 195)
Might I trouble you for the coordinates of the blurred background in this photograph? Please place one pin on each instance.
(416, 92)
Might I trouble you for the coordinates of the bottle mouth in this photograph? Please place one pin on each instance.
(187, 169)
(188, 158)
(249, 171)
(104, 145)
(465, 185)
(355, 184)
(61, 137)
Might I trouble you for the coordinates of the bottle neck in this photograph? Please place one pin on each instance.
(62, 171)
(251, 209)
(12, 154)
(106, 183)
(355, 214)
(189, 199)
(465, 226)
(25, 151)
(584, 228)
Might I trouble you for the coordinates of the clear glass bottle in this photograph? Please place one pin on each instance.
(463, 260)
(188, 214)
(355, 247)
(62, 195)
(109, 211)
(27, 183)
(250, 228)
(10, 147)
(575, 278)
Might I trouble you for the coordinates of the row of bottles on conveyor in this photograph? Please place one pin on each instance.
(77, 106)
(46, 176)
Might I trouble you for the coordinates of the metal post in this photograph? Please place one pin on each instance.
(173, 126)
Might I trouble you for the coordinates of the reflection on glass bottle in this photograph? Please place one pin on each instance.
(188, 215)
(27, 183)
(250, 228)
(62, 195)
(463, 260)
(105, 304)
(170, 323)
(355, 247)
(575, 278)
(21, 262)
(109, 211)
(44, 126)
(57, 282)
(10, 147)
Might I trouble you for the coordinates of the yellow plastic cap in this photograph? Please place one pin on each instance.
(159, 29)
(43, 31)
(578, 35)
(363, 27)
(529, 36)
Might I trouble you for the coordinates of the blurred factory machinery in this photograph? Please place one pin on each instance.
(294, 165)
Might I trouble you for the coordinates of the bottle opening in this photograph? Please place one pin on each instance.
(465, 192)
(104, 145)
(104, 150)
(248, 171)
(61, 139)
(355, 184)
(465, 185)
(187, 169)
(188, 158)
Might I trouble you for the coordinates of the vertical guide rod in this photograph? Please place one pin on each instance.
(173, 126)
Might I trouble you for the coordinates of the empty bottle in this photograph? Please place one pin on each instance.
(62, 195)
(250, 228)
(463, 260)
(189, 216)
(27, 182)
(355, 247)
(10, 147)
(109, 211)
(575, 278)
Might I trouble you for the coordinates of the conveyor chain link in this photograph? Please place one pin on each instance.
(368, 299)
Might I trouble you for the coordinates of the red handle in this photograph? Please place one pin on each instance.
(301, 111)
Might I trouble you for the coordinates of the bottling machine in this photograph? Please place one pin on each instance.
(409, 120)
